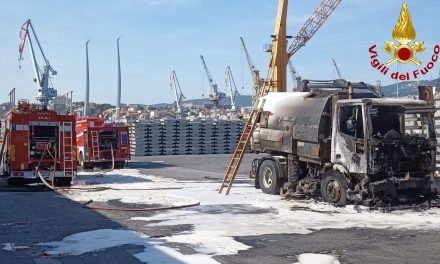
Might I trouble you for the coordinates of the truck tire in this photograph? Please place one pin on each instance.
(268, 177)
(334, 188)
(63, 181)
(119, 164)
(16, 182)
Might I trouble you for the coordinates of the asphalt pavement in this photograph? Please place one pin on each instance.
(30, 216)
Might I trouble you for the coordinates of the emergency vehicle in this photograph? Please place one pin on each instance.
(38, 143)
(100, 144)
(38, 139)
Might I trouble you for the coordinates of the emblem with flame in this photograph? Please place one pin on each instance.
(404, 33)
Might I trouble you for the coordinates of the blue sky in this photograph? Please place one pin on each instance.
(159, 36)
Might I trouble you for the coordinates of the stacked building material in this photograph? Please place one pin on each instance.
(180, 137)
(146, 138)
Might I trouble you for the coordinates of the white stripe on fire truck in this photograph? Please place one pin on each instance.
(21, 127)
(66, 128)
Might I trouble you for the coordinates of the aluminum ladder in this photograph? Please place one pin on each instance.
(68, 150)
(95, 145)
(245, 137)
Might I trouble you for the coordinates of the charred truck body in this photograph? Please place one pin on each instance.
(100, 144)
(38, 140)
(344, 142)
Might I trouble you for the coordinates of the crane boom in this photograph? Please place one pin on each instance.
(255, 73)
(45, 93)
(215, 95)
(315, 21)
(230, 83)
(175, 86)
(338, 72)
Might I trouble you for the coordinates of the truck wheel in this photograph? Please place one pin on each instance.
(15, 182)
(119, 164)
(268, 177)
(63, 181)
(334, 188)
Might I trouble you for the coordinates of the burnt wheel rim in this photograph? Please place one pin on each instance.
(267, 177)
(334, 191)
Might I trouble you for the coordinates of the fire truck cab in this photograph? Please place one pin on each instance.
(35, 140)
(101, 144)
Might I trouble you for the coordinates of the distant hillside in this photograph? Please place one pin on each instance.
(407, 88)
(242, 101)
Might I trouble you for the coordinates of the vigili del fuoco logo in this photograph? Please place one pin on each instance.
(405, 51)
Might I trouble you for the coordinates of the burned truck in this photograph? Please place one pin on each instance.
(345, 143)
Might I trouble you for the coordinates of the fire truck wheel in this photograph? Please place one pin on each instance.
(334, 188)
(119, 164)
(15, 181)
(268, 176)
(63, 182)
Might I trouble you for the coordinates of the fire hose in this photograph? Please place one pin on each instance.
(50, 186)
(123, 209)
(87, 204)
(113, 164)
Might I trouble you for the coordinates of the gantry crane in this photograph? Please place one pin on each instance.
(338, 72)
(215, 95)
(295, 77)
(42, 76)
(230, 84)
(255, 73)
(276, 75)
(175, 86)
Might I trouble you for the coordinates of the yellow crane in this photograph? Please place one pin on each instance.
(276, 78)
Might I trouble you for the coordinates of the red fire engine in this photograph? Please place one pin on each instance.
(100, 144)
(38, 142)
(38, 139)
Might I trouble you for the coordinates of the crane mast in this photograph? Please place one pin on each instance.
(42, 76)
(175, 86)
(280, 58)
(230, 84)
(255, 73)
(215, 95)
(338, 72)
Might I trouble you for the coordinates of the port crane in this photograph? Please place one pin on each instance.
(215, 95)
(42, 75)
(295, 77)
(255, 73)
(275, 80)
(338, 72)
(230, 84)
(175, 87)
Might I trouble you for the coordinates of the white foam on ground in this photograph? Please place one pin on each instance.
(245, 212)
(7, 246)
(310, 258)
(91, 241)
(97, 240)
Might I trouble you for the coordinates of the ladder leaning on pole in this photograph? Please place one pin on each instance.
(245, 137)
